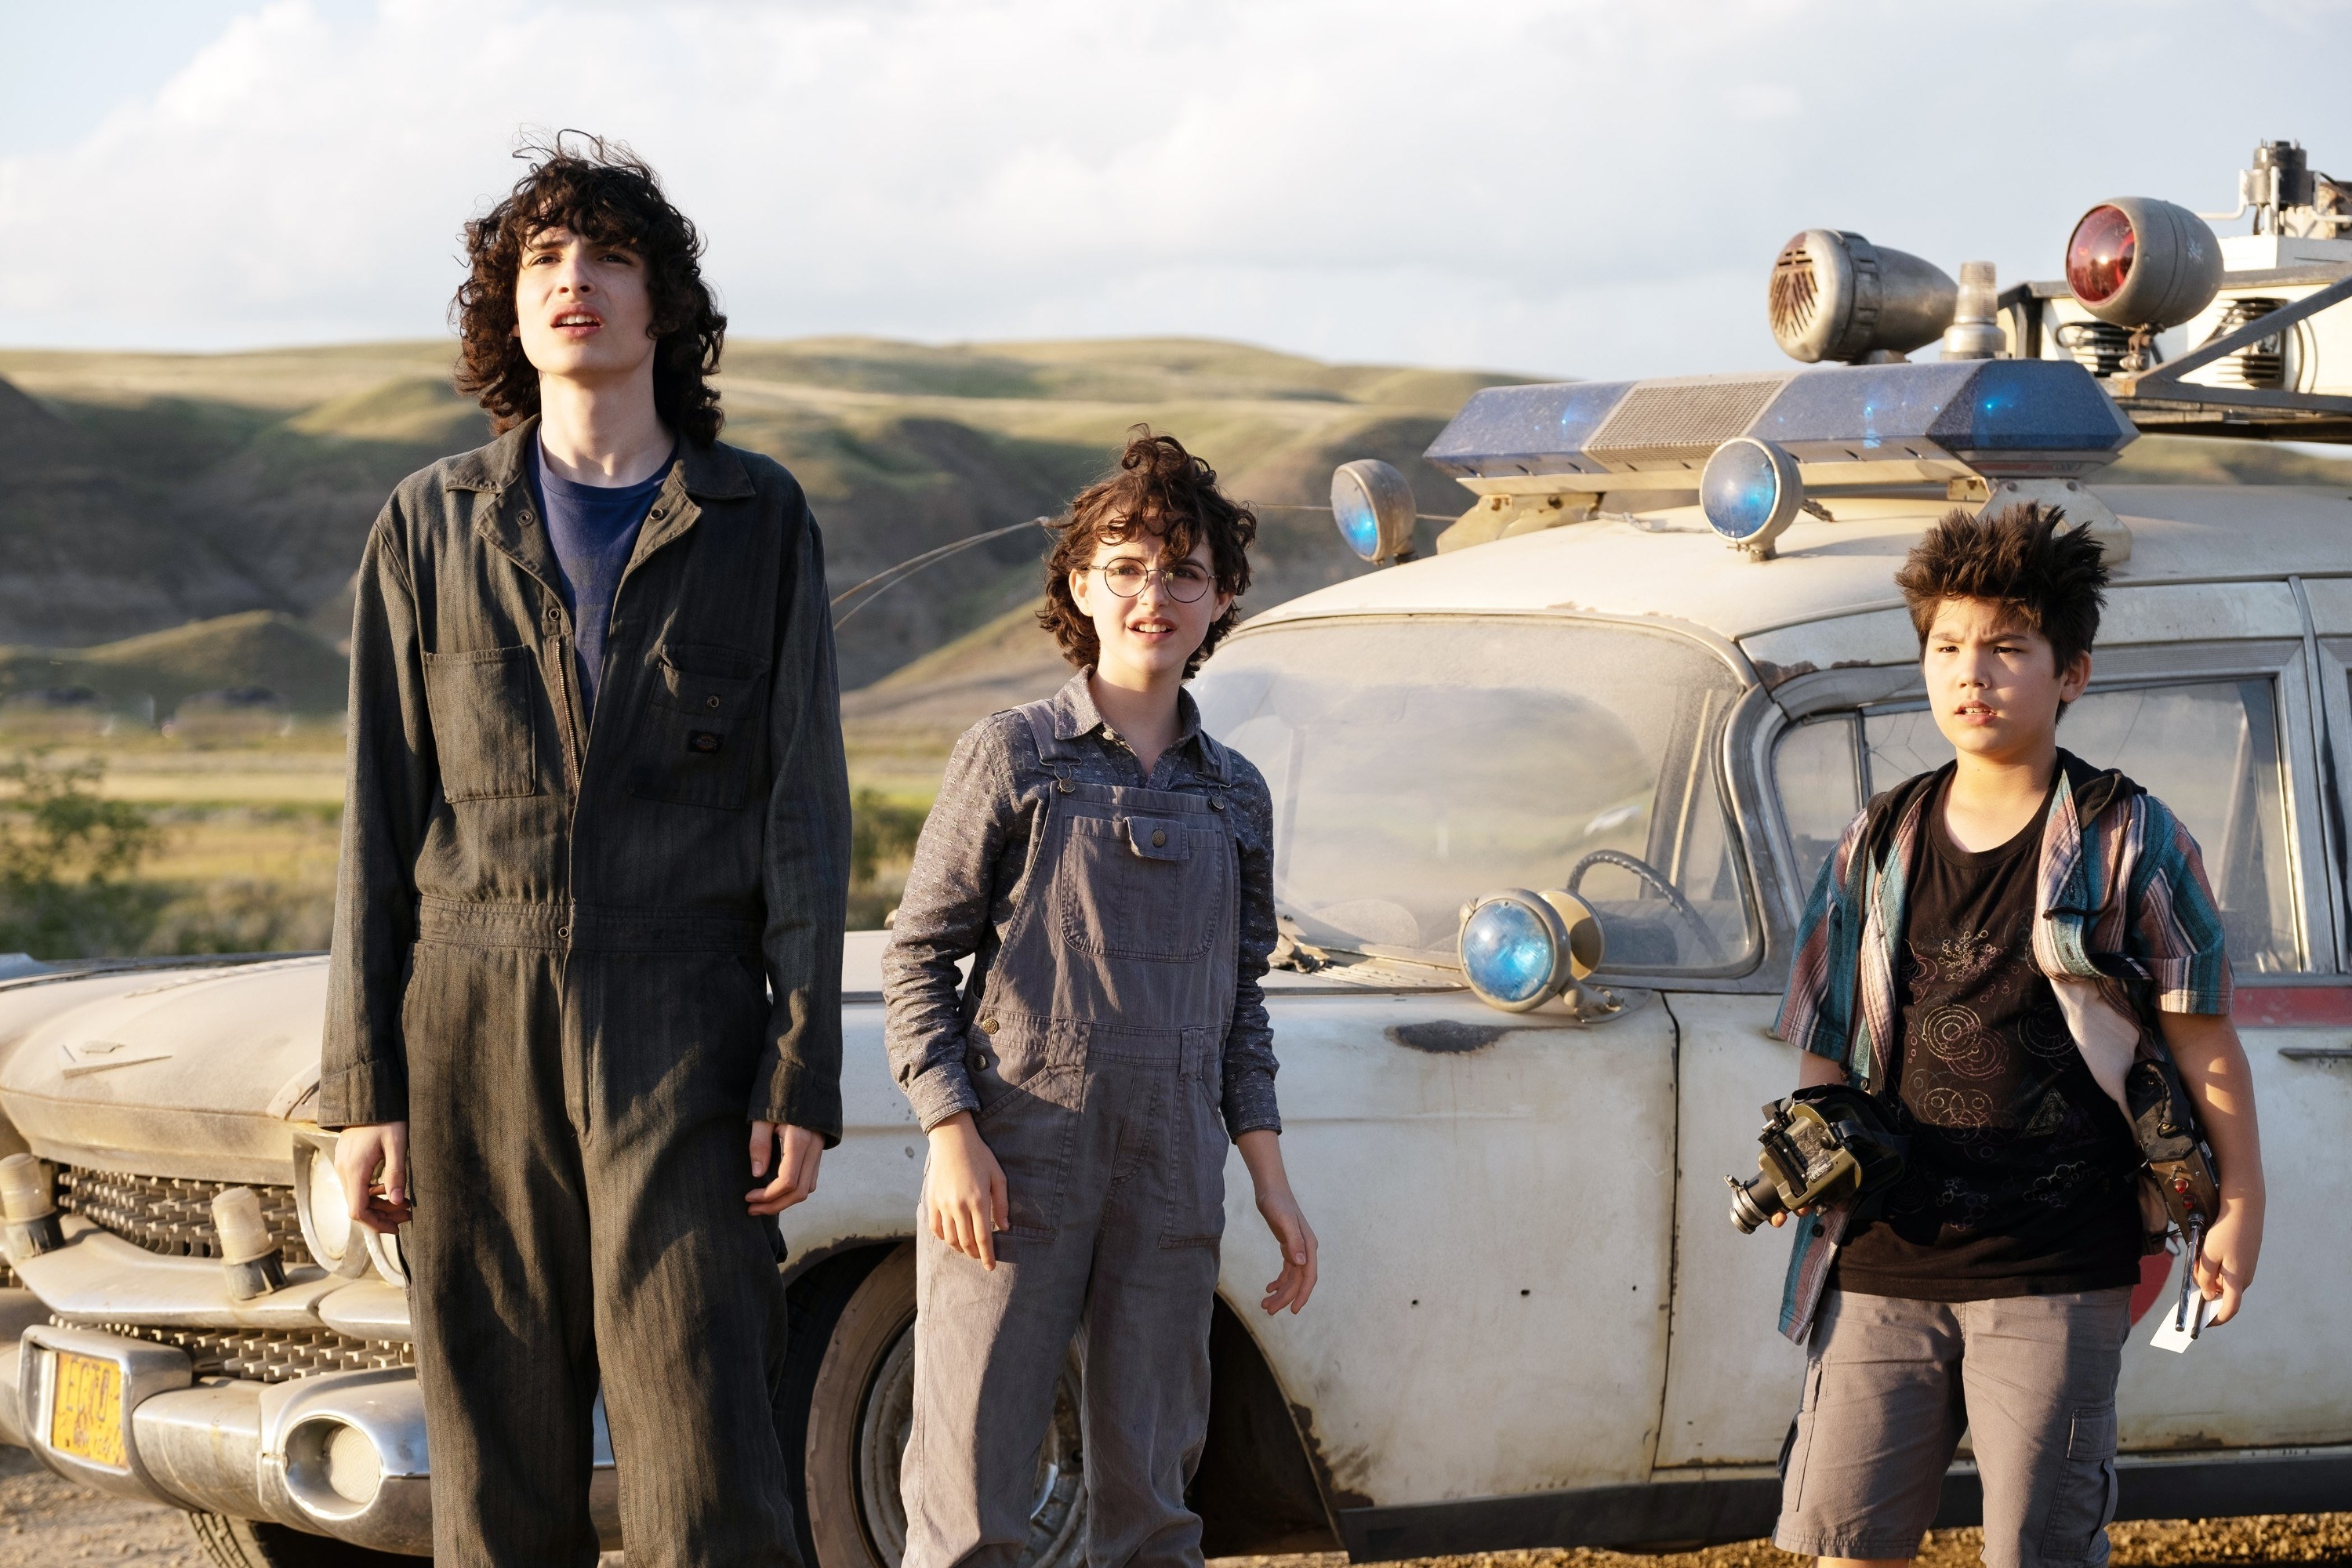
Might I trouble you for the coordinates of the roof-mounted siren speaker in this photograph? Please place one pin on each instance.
(1374, 507)
(1835, 296)
(1749, 493)
(2144, 265)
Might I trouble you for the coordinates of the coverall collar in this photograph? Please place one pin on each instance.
(710, 473)
(511, 522)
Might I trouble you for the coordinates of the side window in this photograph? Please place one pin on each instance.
(2210, 752)
(1821, 789)
(2210, 749)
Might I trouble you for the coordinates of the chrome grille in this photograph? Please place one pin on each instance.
(272, 1356)
(170, 1215)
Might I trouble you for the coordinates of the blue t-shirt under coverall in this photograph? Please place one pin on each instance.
(593, 529)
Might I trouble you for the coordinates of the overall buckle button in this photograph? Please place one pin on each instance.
(989, 1025)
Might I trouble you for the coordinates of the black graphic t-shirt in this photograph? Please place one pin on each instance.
(2022, 1174)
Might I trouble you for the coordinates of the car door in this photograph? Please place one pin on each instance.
(1494, 1190)
(1493, 1202)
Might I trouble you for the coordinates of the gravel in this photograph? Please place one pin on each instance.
(45, 1521)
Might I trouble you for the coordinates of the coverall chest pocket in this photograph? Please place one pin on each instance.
(701, 729)
(1141, 887)
(480, 704)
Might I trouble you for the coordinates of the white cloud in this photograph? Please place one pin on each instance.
(1568, 185)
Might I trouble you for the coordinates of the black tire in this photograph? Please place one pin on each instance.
(251, 1543)
(857, 1431)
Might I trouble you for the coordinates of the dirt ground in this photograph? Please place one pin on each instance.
(45, 1520)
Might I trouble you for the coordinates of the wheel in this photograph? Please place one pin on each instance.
(249, 1543)
(859, 1417)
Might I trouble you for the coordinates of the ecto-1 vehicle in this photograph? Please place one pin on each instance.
(1548, 807)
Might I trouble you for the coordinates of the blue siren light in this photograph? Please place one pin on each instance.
(1515, 950)
(1750, 492)
(1374, 506)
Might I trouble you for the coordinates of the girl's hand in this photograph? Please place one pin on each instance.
(964, 1200)
(1262, 1153)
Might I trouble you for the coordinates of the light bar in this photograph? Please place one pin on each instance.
(1942, 419)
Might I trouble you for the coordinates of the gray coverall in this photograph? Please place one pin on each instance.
(1093, 1052)
(578, 960)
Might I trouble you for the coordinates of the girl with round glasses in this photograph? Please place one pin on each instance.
(1108, 867)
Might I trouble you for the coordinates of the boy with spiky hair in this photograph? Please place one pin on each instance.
(1989, 949)
(588, 928)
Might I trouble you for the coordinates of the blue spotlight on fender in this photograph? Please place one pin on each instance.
(1521, 949)
(1750, 492)
(1374, 508)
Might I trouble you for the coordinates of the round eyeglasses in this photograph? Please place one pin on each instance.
(1185, 582)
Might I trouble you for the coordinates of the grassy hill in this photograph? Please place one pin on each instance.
(255, 648)
(239, 482)
(142, 492)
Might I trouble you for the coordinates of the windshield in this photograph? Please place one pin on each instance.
(1417, 763)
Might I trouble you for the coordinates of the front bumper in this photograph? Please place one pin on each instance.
(339, 1452)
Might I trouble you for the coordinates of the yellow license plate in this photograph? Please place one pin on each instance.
(86, 1419)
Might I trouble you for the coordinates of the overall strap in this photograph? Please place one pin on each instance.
(1054, 752)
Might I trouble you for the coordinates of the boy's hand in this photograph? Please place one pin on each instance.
(2225, 1263)
(1262, 1153)
(795, 1171)
(964, 1198)
(2212, 1064)
(359, 1154)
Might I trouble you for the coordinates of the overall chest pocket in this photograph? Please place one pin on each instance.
(480, 707)
(701, 732)
(1141, 887)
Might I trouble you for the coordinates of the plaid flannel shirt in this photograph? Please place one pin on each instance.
(2125, 926)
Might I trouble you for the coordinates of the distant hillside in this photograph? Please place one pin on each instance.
(258, 647)
(230, 482)
(141, 491)
(84, 555)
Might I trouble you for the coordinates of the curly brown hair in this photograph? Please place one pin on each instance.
(2053, 581)
(606, 195)
(1159, 489)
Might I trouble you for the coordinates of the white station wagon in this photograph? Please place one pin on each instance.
(1536, 1325)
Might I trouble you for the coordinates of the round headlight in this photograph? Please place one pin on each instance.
(2139, 262)
(1374, 507)
(1750, 493)
(1515, 950)
(327, 1224)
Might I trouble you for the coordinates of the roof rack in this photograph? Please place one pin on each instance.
(2157, 399)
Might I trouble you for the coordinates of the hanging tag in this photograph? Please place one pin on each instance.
(2179, 1322)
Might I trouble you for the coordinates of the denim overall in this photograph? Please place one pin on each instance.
(1096, 1054)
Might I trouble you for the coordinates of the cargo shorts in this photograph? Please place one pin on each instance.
(1890, 1386)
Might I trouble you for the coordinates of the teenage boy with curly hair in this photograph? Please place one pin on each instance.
(1990, 948)
(587, 941)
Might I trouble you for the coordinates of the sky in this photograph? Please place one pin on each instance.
(1568, 187)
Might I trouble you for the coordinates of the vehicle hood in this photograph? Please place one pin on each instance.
(201, 1073)
(196, 1073)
